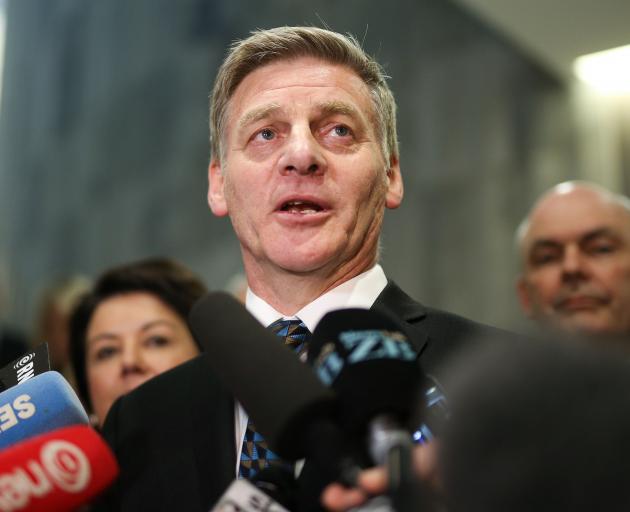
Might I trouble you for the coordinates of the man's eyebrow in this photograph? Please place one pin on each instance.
(257, 114)
(544, 243)
(599, 232)
(325, 108)
(338, 107)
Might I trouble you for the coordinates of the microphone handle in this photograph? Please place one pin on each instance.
(392, 447)
(403, 487)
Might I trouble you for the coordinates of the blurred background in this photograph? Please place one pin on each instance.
(104, 138)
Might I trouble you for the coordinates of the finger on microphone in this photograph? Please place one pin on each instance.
(339, 498)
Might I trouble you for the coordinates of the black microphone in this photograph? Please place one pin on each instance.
(366, 358)
(279, 483)
(273, 489)
(291, 408)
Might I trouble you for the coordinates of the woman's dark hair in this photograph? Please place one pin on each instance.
(171, 282)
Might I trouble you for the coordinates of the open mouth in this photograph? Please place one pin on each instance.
(300, 207)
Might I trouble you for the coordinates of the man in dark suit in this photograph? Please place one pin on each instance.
(304, 162)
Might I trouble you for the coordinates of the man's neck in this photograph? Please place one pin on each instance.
(288, 292)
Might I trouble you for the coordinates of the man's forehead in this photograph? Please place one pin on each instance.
(280, 77)
(570, 218)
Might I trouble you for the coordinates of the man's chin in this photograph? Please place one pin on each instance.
(588, 323)
(301, 266)
(302, 261)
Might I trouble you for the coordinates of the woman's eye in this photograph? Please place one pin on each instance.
(157, 341)
(104, 353)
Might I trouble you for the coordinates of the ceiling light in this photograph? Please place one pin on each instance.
(607, 71)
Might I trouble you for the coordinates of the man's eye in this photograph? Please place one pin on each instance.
(267, 134)
(544, 258)
(602, 249)
(341, 130)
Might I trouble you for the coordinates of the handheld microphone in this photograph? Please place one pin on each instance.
(366, 358)
(59, 471)
(291, 408)
(272, 489)
(40, 404)
(26, 367)
(281, 394)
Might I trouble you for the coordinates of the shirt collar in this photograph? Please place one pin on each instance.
(359, 292)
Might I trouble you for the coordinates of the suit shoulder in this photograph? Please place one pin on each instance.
(442, 329)
(451, 335)
(447, 323)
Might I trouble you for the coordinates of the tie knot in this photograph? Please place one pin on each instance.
(294, 333)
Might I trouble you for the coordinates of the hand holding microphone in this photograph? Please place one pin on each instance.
(366, 358)
(378, 384)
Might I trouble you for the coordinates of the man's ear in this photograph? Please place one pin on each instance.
(216, 184)
(524, 296)
(395, 187)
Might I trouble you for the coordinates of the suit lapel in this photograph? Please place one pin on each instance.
(393, 301)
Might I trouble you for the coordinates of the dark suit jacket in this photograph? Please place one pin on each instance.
(174, 435)
(12, 345)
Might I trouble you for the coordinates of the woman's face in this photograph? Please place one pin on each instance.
(131, 338)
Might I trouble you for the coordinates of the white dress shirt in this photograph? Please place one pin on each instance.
(359, 292)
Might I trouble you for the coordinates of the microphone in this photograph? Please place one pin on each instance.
(59, 471)
(26, 367)
(272, 489)
(292, 409)
(40, 404)
(280, 393)
(366, 358)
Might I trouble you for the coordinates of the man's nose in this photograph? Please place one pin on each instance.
(573, 264)
(302, 154)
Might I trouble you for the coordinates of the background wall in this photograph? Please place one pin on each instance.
(103, 141)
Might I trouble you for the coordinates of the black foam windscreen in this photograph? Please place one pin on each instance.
(367, 359)
(279, 483)
(282, 395)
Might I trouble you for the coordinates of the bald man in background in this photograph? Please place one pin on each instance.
(574, 247)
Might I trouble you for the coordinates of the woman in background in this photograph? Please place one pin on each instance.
(131, 327)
